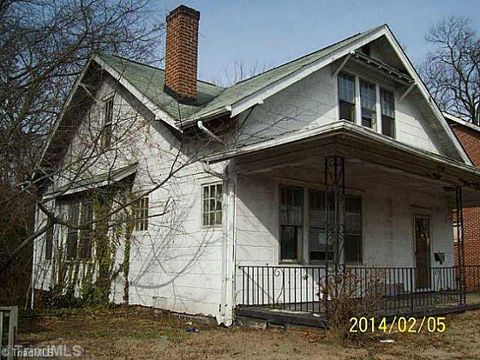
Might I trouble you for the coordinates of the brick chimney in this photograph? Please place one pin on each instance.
(181, 54)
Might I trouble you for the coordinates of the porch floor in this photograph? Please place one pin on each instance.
(313, 313)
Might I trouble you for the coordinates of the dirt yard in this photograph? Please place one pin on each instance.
(129, 333)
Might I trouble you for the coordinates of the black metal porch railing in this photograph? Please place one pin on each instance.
(386, 290)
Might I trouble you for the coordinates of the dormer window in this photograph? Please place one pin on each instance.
(346, 96)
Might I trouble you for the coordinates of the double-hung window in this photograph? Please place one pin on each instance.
(79, 229)
(346, 96)
(371, 97)
(293, 210)
(72, 230)
(368, 99)
(387, 103)
(291, 222)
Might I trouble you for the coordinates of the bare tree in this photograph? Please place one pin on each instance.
(238, 71)
(44, 44)
(452, 68)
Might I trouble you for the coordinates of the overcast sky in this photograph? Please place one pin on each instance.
(271, 32)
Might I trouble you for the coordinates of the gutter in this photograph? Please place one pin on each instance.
(208, 132)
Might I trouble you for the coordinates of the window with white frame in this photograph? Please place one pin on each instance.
(346, 96)
(140, 214)
(387, 103)
(108, 122)
(368, 100)
(79, 229)
(292, 226)
(212, 204)
(370, 96)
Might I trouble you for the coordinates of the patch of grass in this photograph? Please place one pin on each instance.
(138, 333)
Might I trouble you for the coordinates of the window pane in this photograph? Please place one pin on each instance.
(353, 248)
(388, 126)
(86, 234)
(317, 243)
(353, 229)
(291, 207)
(289, 244)
(107, 130)
(353, 214)
(347, 111)
(346, 88)
(72, 239)
(49, 242)
(387, 103)
(218, 217)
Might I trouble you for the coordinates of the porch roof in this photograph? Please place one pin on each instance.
(353, 141)
(93, 182)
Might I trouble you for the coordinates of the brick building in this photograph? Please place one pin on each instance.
(468, 135)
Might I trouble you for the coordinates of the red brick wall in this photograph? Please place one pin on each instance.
(470, 140)
(181, 53)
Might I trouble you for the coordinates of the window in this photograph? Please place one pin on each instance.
(87, 232)
(80, 231)
(388, 112)
(292, 210)
(353, 229)
(368, 100)
(317, 236)
(291, 222)
(140, 214)
(49, 241)
(212, 205)
(457, 229)
(72, 231)
(107, 127)
(346, 96)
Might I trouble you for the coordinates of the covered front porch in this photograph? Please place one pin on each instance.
(349, 213)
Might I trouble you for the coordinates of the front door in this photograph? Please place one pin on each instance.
(422, 251)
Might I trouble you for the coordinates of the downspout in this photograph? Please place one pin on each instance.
(227, 302)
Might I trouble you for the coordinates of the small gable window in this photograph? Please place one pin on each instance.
(108, 123)
(346, 96)
(140, 214)
(388, 112)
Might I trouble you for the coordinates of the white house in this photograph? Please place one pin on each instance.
(238, 176)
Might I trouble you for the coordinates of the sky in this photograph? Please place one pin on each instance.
(271, 32)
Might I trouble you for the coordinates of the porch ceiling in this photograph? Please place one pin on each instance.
(362, 149)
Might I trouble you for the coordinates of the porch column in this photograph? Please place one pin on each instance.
(335, 209)
(460, 244)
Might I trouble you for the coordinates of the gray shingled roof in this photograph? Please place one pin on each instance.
(149, 81)
(211, 98)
